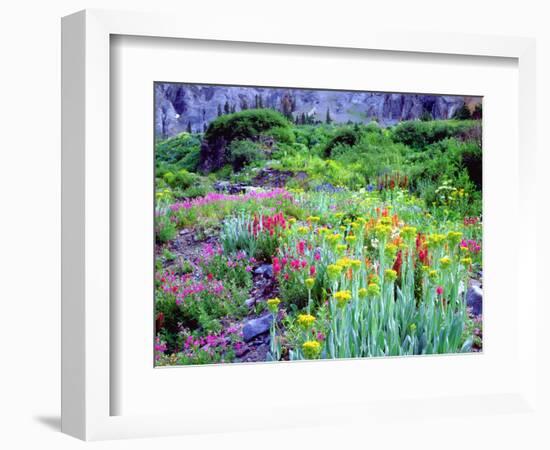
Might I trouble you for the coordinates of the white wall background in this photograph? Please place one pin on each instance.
(30, 190)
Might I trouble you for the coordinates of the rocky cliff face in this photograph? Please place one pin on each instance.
(182, 106)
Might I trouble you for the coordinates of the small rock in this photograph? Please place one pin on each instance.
(266, 270)
(250, 302)
(474, 299)
(255, 327)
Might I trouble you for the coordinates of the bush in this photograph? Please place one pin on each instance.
(181, 179)
(283, 135)
(182, 151)
(247, 124)
(343, 137)
(419, 134)
(242, 153)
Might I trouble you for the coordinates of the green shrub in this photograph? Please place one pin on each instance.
(343, 137)
(245, 124)
(181, 151)
(181, 179)
(242, 153)
(283, 135)
(419, 134)
(165, 229)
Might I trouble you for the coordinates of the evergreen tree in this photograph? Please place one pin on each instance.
(226, 108)
(189, 130)
(328, 119)
(244, 104)
(204, 127)
(260, 102)
(233, 108)
(219, 110)
(426, 116)
(303, 119)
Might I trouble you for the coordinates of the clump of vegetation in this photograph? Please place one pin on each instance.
(418, 134)
(247, 124)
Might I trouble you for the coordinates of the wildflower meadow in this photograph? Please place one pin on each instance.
(282, 236)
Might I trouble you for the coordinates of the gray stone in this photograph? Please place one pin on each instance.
(266, 270)
(250, 302)
(255, 327)
(474, 299)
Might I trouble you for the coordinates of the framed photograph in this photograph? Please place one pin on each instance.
(314, 220)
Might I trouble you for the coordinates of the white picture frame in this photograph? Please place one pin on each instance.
(87, 385)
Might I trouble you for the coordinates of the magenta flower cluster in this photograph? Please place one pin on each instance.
(215, 198)
(183, 286)
(472, 245)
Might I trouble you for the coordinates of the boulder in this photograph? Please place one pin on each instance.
(257, 326)
(474, 299)
(266, 270)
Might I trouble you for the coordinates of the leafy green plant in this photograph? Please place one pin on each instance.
(241, 153)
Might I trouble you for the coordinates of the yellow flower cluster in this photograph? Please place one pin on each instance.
(466, 261)
(390, 275)
(333, 239)
(390, 251)
(408, 233)
(362, 292)
(350, 239)
(454, 237)
(435, 240)
(433, 275)
(305, 320)
(382, 231)
(342, 297)
(445, 262)
(334, 270)
(373, 290)
(313, 219)
(273, 304)
(311, 349)
(303, 230)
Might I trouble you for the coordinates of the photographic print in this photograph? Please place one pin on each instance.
(311, 224)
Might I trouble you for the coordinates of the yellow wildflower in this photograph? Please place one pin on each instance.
(390, 275)
(342, 297)
(454, 237)
(333, 271)
(311, 349)
(273, 304)
(382, 231)
(305, 320)
(309, 283)
(408, 233)
(341, 248)
(362, 292)
(303, 230)
(445, 262)
(390, 251)
(351, 239)
(466, 261)
(435, 240)
(373, 290)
